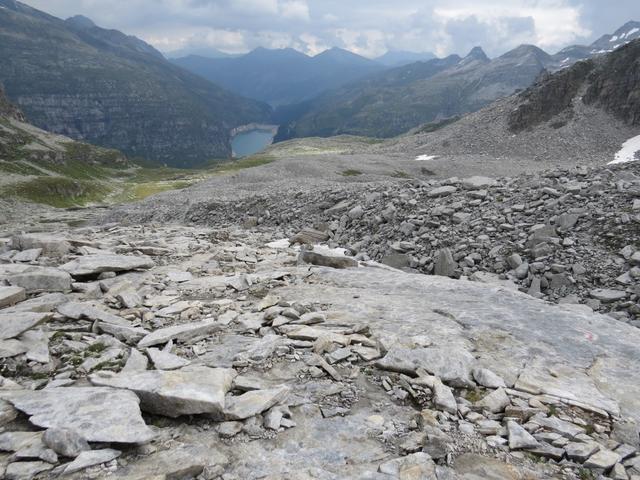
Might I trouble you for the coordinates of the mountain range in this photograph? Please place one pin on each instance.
(580, 115)
(102, 86)
(281, 76)
(393, 101)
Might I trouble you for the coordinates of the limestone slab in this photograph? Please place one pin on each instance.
(101, 414)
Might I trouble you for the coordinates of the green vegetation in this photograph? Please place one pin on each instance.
(96, 348)
(400, 174)
(243, 163)
(586, 474)
(58, 191)
(474, 396)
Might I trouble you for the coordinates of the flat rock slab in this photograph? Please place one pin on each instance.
(180, 333)
(90, 458)
(78, 311)
(51, 246)
(187, 461)
(11, 296)
(95, 264)
(191, 390)
(43, 303)
(26, 470)
(505, 330)
(254, 402)
(100, 414)
(166, 361)
(453, 365)
(567, 383)
(42, 279)
(13, 324)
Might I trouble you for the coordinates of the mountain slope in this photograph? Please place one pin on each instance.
(399, 99)
(607, 43)
(580, 115)
(281, 77)
(102, 86)
(399, 58)
(41, 166)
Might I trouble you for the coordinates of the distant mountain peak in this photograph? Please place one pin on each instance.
(475, 55)
(274, 52)
(625, 34)
(80, 21)
(337, 52)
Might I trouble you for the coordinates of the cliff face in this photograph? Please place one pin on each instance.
(104, 87)
(617, 89)
(21, 142)
(7, 109)
(611, 82)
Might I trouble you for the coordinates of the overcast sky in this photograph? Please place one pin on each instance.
(368, 27)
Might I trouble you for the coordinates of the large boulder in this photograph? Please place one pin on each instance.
(11, 296)
(95, 264)
(13, 324)
(52, 246)
(99, 414)
(42, 279)
(188, 391)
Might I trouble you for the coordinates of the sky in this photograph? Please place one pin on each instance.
(366, 27)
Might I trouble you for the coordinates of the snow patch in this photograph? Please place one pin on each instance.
(425, 158)
(629, 151)
(279, 244)
(332, 252)
(631, 32)
(614, 38)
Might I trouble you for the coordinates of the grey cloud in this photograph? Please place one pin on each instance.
(366, 26)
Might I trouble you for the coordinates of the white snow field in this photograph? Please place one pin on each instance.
(629, 151)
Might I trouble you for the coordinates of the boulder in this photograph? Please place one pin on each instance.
(487, 378)
(90, 458)
(166, 361)
(95, 264)
(254, 402)
(41, 279)
(327, 260)
(190, 390)
(443, 397)
(442, 191)
(180, 333)
(100, 414)
(477, 183)
(607, 295)
(13, 324)
(444, 265)
(25, 470)
(65, 442)
(51, 246)
(495, 402)
(452, 365)
(519, 438)
(11, 296)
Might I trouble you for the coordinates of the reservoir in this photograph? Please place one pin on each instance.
(250, 142)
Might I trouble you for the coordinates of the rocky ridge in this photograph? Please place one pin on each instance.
(224, 353)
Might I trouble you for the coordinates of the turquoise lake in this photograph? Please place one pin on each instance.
(248, 143)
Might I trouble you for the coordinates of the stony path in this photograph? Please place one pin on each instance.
(190, 352)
